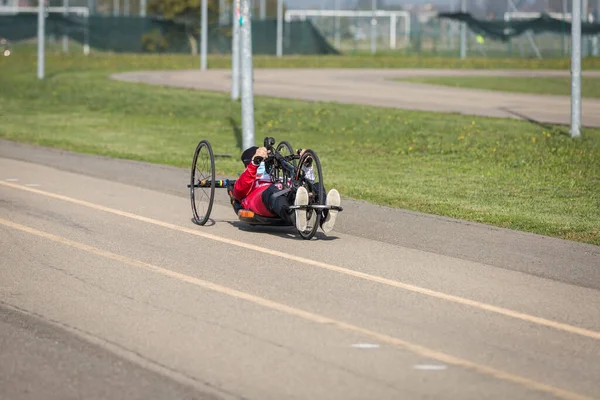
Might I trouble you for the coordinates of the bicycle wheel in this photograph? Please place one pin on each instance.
(202, 182)
(310, 175)
(285, 149)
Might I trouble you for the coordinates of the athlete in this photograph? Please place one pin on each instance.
(258, 194)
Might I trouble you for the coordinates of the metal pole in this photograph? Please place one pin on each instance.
(393, 31)
(279, 28)
(203, 34)
(597, 38)
(235, 52)
(407, 28)
(116, 6)
(263, 9)
(374, 29)
(585, 17)
(452, 24)
(463, 32)
(41, 40)
(247, 77)
(564, 38)
(86, 34)
(576, 69)
(65, 38)
(337, 26)
(142, 8)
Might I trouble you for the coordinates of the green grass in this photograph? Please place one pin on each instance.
(383, 59)
(539, 85)
(502, 172)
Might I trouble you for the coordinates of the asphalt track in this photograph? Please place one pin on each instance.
(107, 290)
(377, 87)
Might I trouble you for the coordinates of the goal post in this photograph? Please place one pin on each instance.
(395, 19)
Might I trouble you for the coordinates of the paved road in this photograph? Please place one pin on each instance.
(377, 88)
(107, 290)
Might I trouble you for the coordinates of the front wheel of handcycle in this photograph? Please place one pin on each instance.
(202, 182)
(310, 175)
(285, 149)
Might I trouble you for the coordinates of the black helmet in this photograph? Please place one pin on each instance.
(247, 155)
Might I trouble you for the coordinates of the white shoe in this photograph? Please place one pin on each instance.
(333, 199)
(301, 200)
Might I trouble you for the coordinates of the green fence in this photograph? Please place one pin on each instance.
(135, 34)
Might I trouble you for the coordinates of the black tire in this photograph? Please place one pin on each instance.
(283, 145)
(284, 148)
(203, 169)
(315, 188)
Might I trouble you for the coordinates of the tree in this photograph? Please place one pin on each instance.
(186, 13)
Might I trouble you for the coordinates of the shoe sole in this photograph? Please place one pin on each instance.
(333, 199)
(301, 221)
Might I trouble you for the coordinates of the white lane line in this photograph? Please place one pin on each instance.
(308, 316)
(12, 180)
(349, 272)
(365, 346)
(430, 367)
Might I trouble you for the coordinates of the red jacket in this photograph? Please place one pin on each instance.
(248, 190)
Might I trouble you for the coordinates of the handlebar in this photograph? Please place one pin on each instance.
(269, 143)
(278, 157)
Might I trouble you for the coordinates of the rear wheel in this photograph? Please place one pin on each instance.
(311, 177)
(202, 182)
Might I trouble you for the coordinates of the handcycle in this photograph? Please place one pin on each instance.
(288, 168)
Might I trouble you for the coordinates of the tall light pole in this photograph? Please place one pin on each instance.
(564, 39)
(142, 8)
(337, 25)
(374, 28)
(452, 24)
(235, 51)
(65, 38)
(576, 69)
(597, 38)
(585, 17)
(203, 35)
(463, 31)
(41, 40)
(279, 28)
(247, 77)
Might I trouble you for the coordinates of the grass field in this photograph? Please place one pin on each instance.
(502, 172)
(540, 85)
(382, 59)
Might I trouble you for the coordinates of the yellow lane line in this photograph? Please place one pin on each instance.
(373, 278)
(306, 315)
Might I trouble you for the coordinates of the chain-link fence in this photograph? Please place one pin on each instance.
(304, 31)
